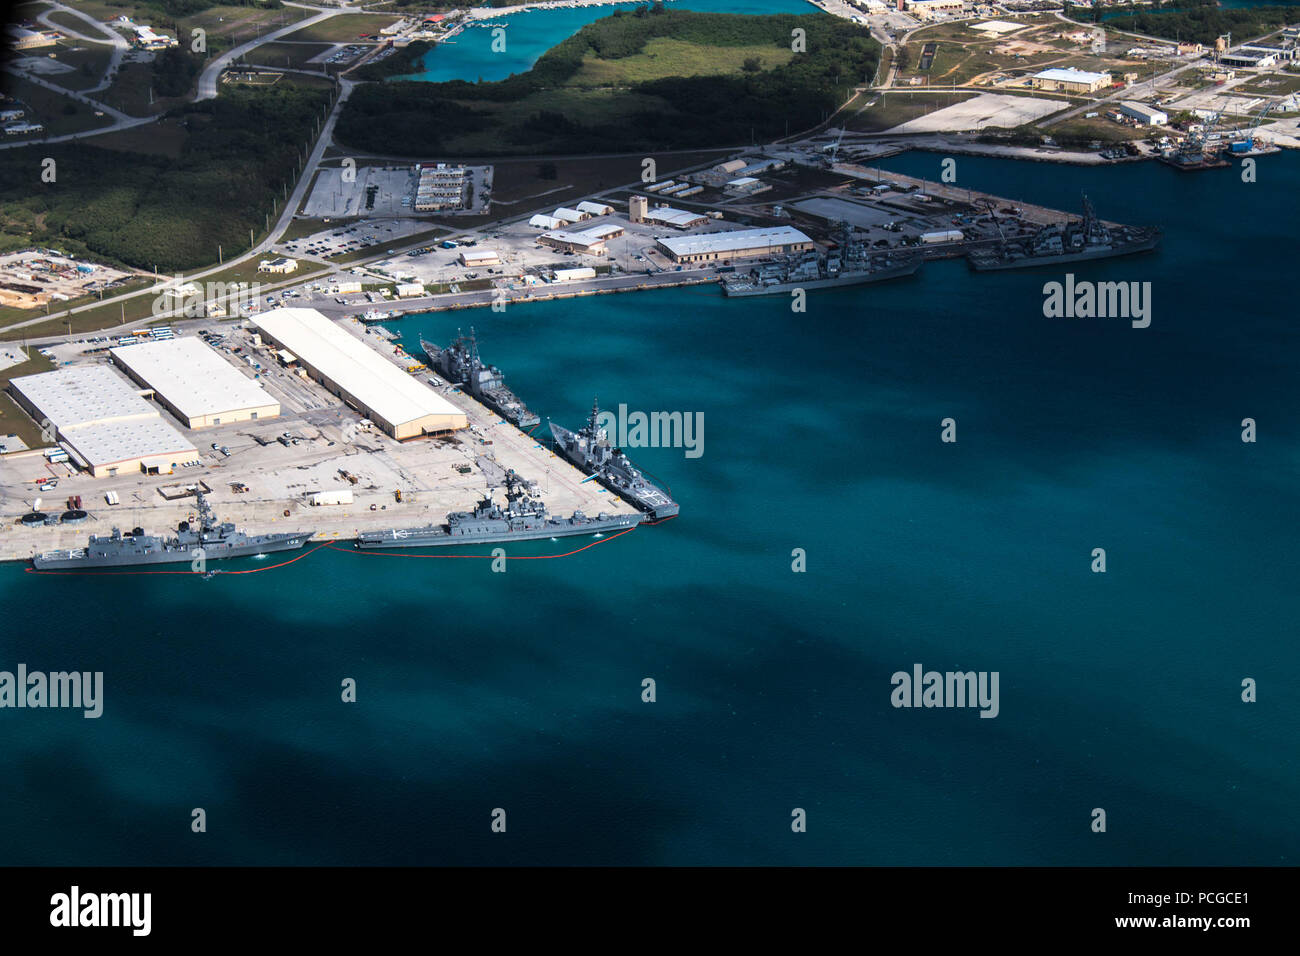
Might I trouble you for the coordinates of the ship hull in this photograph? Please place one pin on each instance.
(88, 557)
(657, 510)
(1035, 262)
(439, 537)
(895, 272)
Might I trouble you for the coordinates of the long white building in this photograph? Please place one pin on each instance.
(194, 383)
(102, 422)
(401, 405)
(738, 244)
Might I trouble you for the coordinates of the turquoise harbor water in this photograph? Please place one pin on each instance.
(521, 690)
(469, 56)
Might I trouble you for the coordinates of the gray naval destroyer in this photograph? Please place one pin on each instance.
(459, 363)
(590, 452)
(217, 540)
(1076, 241)
(522, 519)
(851, 262)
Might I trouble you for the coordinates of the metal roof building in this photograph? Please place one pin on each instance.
(349, 368)
(102, 422)
(194, 383)
(594, 208)
(738, 244)
(677, 218)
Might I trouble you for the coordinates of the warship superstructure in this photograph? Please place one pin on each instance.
(459, 363)
(590, 452)
(523, 518)
(851, 262)
(214, 540)
(1075, 241)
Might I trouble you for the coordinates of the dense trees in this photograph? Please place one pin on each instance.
(144, 209)
(1202, 20)
(408, 118)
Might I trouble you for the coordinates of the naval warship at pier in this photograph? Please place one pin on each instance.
(589, 451)
(459, 363)
(216, 540)
(522, 519)
(851, 262)
(1076, 241)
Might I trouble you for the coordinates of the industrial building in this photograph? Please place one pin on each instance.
(594, 208)
(926, 9)
(543, 221)
(102, 423)
(441, 187)
(1069, 80)
(194, 383)
(569, 216)
(20, 38)
(1145, 115)
(402, 406)
(588, 242)
(740, 244)
(730, 167)
(745, 185)
(480, 257)
(282, 265)
(677, 218)
(637, 207)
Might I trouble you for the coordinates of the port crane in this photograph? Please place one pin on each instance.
(833, 150)
(1247, 142)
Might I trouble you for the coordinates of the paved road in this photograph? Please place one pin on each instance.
(115, 39)
(212, 72)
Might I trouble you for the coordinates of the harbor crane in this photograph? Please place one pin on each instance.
(1246, 143)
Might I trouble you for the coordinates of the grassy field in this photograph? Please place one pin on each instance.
(1098, 127)
(131, 89)
(48, 108)
(92, 316)
(1273, 84)
(13, 420)
(89, 61)
(293, 55)
(664, 56)
(345, 27)
(892, 109)
(70, 22)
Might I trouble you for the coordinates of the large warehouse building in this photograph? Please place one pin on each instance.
(740, 244)
(1069, 80)
(349, 368)
(194, 383)
(102, 423)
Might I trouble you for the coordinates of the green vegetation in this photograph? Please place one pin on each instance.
(144, 209)
(895, 108)
(643, 104)
(398, 63)
(1200, 21)
(293, 55)
(667, 56)
(345, 27)
(57, 113)
(13, 420)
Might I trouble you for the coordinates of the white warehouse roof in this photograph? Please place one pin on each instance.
(1071, 75)
(353, 365)
(733, 241)
(192, 377)
(546, 222)
(594, 208)
(77, 396)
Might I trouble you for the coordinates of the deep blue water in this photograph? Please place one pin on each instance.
(469, 56)
(521, 690)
